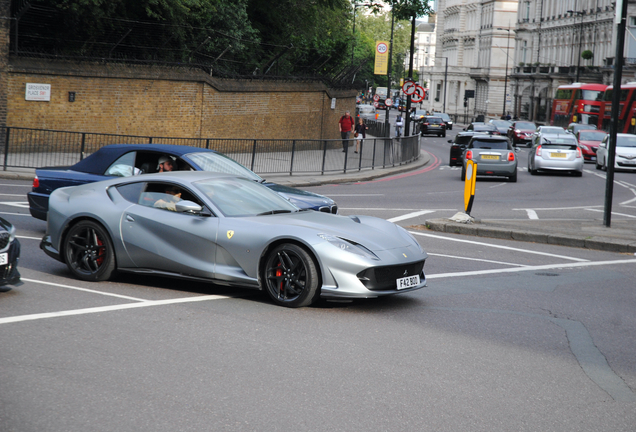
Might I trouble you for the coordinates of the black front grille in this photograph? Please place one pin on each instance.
(4, 239)
(383, 278)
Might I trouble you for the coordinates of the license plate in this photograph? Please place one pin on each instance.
(626, 163)
(408, 282)
(491, 157)
(558, 155)
(4, 258)
(434, 126)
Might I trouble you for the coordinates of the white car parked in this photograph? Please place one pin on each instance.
(625, 158)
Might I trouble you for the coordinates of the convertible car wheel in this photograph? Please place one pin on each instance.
(88, 252)
(291, 276)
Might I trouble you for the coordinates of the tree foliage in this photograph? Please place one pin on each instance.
(235, 37)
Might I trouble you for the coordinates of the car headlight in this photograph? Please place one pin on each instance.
(348, 246)
(11, 233)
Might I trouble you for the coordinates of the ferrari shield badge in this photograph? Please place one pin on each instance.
(230, 233)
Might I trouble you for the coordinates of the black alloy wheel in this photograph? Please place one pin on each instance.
(291, 276)
(88, 252)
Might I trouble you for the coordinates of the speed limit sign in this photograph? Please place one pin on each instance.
(382, 48)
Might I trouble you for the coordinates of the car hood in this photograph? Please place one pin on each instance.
(301, 198)
(629, 152)
(373, 233)
(590, 143)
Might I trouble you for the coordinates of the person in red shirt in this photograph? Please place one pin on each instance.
(346, 125)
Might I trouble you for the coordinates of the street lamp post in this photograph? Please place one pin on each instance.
(506, 79)
(578, 63)
(355, 7)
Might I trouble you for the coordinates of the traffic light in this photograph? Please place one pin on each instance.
(465, 103)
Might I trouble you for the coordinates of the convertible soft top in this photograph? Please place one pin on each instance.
(97, 162)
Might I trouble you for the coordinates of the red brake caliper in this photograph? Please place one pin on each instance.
(100, 260)
(279, 273)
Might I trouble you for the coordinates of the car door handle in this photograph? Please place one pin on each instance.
(129, 218)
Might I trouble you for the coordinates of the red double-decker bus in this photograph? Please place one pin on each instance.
(627, 111)
(578, 103)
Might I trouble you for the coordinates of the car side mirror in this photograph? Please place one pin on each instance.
(186, 206)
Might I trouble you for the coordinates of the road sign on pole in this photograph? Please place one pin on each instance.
(409, 88)
(469, 185)
(388, 102)
(418, 95)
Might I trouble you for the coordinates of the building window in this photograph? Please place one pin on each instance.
(438, 91)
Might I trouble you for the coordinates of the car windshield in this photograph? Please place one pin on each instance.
(217, 162)
(435, 120)
(501, 123)
(236, 197)
(560, 143)
(525, 125)
(551, 130)
(463, 139)
(444, 116)
(626, 141)
(592, 136)
(366, 109)
(485, 127)
(488, 144)
(419, 113)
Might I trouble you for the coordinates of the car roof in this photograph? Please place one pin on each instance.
(490, 137)
(99, 161)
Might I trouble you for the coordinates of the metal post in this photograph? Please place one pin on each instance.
(291, 163)
(618, 73)
(445, 81)
(253, 155)
(388, 85)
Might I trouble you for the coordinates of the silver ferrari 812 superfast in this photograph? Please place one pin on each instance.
(229, 231)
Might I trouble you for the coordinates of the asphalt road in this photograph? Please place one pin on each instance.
(509, 336)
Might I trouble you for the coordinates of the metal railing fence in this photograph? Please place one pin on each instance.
(36, 148)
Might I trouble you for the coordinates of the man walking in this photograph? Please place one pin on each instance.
(346, 125)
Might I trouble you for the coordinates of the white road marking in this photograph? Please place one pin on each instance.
(17, 195)
(410, 215)
(532, 214)
(29, 238)
(16, 214)
(498, 246)
(476, 259)
(33, 317)
(355, 195)
(21, 204)
(392, 209)
(614, 213)
(561, 208)
(83, 289)
(529, 268)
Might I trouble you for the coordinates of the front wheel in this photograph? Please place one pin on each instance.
(291, 276)
(88, 252)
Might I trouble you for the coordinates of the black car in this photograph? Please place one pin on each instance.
(481, 127)
(458, 145)
(433, 125)
(9, 254)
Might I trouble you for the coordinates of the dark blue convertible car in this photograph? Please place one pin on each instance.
(124, 160)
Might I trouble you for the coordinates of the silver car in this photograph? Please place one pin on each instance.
(560, 152)
(227, 230)
(625, 156)
(494, 156)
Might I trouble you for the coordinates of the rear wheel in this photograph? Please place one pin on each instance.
(513, 178)
(88, 252)
(463, 173)
(291, 276)
(578, 173)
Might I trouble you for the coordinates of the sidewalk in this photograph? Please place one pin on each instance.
(583, 233)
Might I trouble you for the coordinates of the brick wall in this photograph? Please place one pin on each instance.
(4, 53)
(150, 100)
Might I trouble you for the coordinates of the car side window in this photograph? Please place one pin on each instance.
(124, 166)
(131, 191)
(162, 195)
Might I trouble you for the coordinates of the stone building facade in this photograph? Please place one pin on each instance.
(551, 36)
(475, 41)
